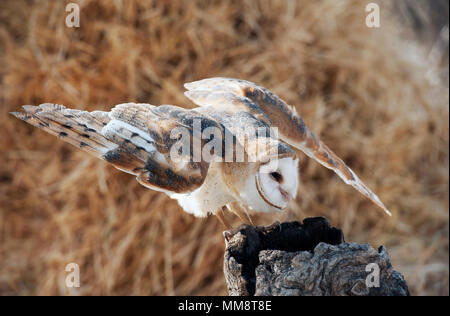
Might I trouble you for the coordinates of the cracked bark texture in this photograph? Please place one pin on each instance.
(306, 259)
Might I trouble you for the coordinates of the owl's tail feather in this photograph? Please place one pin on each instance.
(79, 128)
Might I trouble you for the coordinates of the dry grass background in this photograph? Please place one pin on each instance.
(371, 94)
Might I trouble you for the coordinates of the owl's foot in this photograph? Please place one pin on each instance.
(241, 212)
(221, 217)
(228, 234)
(271, 227)
(230, 231)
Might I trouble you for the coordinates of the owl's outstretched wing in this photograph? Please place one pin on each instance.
(234, 95)
(135, 138)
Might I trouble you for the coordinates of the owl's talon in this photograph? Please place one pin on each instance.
(228, 234)
(270, 227)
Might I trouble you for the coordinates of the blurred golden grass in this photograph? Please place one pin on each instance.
(364, 91)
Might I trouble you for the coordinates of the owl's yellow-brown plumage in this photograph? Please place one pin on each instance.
(138, 139)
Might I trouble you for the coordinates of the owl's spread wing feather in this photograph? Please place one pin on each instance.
(149, 128)
(79, 128)
(135, 138)
(234, 95)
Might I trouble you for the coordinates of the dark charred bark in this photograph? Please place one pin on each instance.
(306, 259)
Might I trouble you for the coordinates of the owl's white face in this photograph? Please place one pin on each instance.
(274, 185)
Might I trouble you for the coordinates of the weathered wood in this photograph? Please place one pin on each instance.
(306, 259)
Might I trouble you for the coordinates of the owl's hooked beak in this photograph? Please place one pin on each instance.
(286, 196)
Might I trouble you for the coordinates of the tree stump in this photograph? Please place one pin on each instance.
(306, 259)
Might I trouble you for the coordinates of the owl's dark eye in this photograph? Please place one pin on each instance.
(276, 176)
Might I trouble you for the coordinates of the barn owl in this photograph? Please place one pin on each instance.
(137, 138)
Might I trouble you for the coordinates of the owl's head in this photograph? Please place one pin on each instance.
(276, 184)
(273, 185)
(270, 185)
